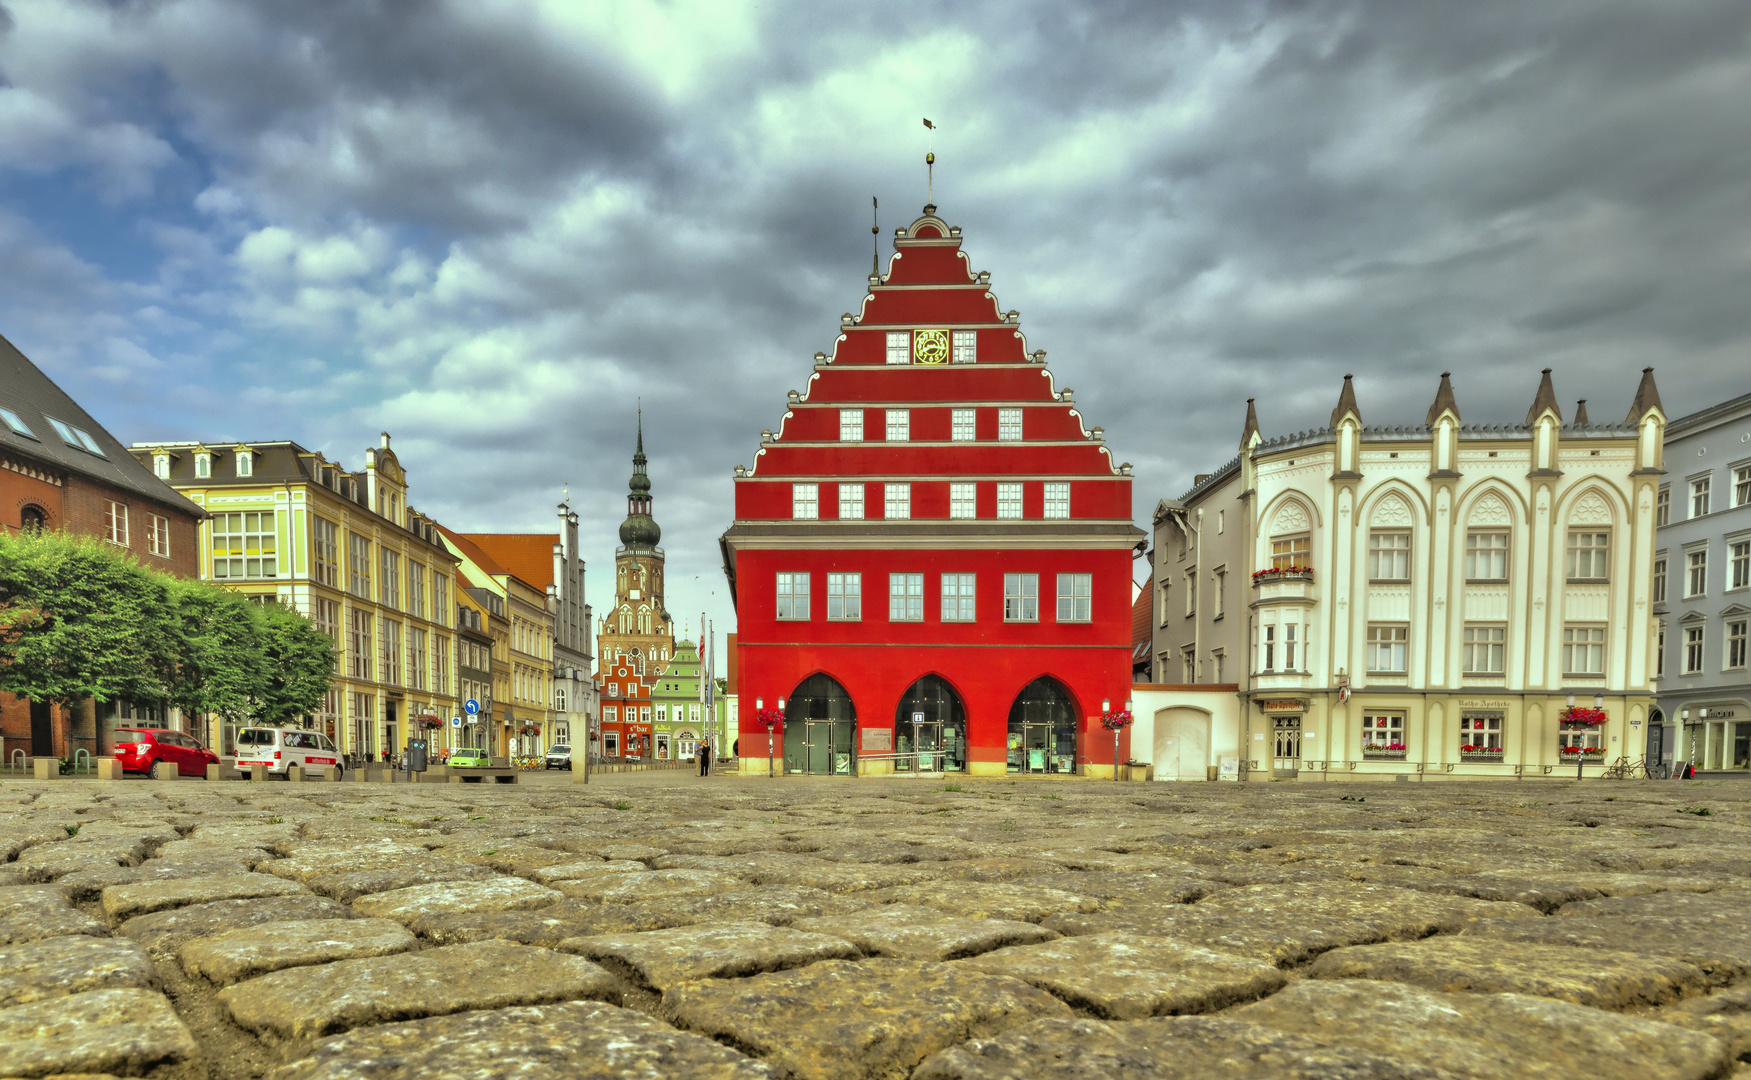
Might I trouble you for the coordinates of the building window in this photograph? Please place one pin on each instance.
(963, 500)
(805, 501)
(611, 739)
(1021, 598)
(1480, 733)
(1736, 644)
(559, 697)
(440, 594)
(1699, 496)
(1587, 554)
(359, 565)
(851, 501)
(1057, 500)
(1484, 650)
(416, 589)
(1742, 485)
(1663, 506)
(1386, 648)
(1268, 647)
(897, 501)
(899, 425)
(17, 424)
(325, 551)
(957, 598)
(1009, 500)
(1696, 572)
(1166, 592)
(244, 545)
(793, 596)
(1486, 556)
(417, 670)
(1191, 591)
(1075, 598)
(1289, 644)
(160, 535)
(850, 425)
(203, 466)
(1660, 580)
(325, 616)
(1290, 551)
(115, 522)
(245, 463)
(1009, 425)
(1219, 583)
(1389, 556)
(1739, 563)
(75, 437)
(389, 586)
(1216, 657)
(1383, 731)
(964, 425)
(441, 664)
(161, 466)
(1660, 652)
(905, 597)
(1188, 665)
(1584, 650)
(844, 597)
(1572, 743)
(359, 644)
(389, 652)
(966, 346)
(1692, 649)
(899, 347)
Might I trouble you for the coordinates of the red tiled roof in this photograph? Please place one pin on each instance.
(1140, 629)
(527, 555)
(472, 551)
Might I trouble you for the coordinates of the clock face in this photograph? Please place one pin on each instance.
(930, 346)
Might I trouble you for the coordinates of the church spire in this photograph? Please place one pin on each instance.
(639, 529)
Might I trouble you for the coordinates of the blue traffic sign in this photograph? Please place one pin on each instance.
(455, 721)
(471, 706)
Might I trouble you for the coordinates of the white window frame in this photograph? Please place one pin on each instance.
(1057, 505)
(1383, 729)
(966, 346)
(851, 501)
(1737, 631)
(245, 463)
(1287, 551)
(963, 499)
(1009, 425)
(1388, 649)
(1268, 647)
(1586, 644)
(844, 596)
(159, 535)
(960, 598)
(897, 425)
(1389, 555)
(1696, 573)
(1741, 485)
(1660, 565)
(1009, 500)
(850, 425)
(792, 590)
(1481, 729)
(805, 501)
(115, 522)
(899, 347)
(203, 466)
(1486, 555)
(1663, 506)
(1021, 598)
(1739, 564)
(905, 597)
(964, 425)
(1588, 558)
(1695, 642)
(1075, 598)
(897, 501)
(1484, 650)
(264, 563)
(1700, 495)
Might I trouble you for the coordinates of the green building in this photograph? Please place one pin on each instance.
(679, 724)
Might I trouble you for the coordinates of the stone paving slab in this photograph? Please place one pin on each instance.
(1721, 948)
(1725, 1016)
(594, 869)
(616, 888)
(1488, 1036)
(1127, 888)
(1123, 977)
(46, 862)
(349, 886)
(990, 900)
(103, 1031)
(34, 912)
(164, 933)
(660, 959)
(780, 905)
(1601, 978)
(576, 1039)
(310, 861)
(545, 926)
(917, 933)
(236, 955)
(122, 902)
(58, 967)
(494, 894)
(306, 1002)
(839, 1020)
(1170, 1048)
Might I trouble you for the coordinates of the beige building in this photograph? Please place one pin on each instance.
(522, 717)
(1424, 598)
(347, 550)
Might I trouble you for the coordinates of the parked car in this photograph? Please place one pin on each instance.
(559, 757)
(138, 749)
(468, 758)
(281, 748)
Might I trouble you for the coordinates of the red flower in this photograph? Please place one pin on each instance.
(1116, 721)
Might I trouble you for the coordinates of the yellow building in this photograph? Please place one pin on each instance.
(482, 666)
(346, 550)
(522, 719)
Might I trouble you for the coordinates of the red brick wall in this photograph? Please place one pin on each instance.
(18, 490)
(85, 505)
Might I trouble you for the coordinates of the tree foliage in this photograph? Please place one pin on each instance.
(79, 619)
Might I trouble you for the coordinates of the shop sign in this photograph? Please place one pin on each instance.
(1290, 705)
(877, 740)
(1481, 704)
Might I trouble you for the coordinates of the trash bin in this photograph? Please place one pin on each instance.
(416, 755)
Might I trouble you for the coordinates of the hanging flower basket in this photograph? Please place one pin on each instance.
(529, 729)
(1116, 721)
(770, 718)
(429, 723)
(1580, 716)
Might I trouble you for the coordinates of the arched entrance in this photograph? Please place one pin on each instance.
(930, 728)
(1042, 729)
(820, 725)
(1182, 744)
(1658, 751)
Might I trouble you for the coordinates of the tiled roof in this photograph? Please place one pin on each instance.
(1140, 629)
(33, 397)
(472, 552)
(527, 555)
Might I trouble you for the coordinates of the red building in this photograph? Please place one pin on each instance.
(932, 555)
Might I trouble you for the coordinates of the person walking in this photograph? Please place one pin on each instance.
(704, 755)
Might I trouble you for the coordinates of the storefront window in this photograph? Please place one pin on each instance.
(820, 724)
(1042, 729)
(930, 725)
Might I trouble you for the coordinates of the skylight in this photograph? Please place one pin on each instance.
(77, 438)
(16, 424)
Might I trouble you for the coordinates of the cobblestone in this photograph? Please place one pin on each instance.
(862, 929)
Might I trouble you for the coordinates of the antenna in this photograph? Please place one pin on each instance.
(930, 165)
(875, 229)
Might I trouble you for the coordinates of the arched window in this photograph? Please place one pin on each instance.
(931, 722)
(1042, 728)
(33, 519)
(820, 723)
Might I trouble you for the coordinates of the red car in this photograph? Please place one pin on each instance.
(138, 749)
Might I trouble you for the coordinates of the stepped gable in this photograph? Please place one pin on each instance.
(932, 295)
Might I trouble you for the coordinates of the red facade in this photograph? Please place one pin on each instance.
(909, 629)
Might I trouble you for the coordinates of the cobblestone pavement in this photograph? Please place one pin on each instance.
(666, 927)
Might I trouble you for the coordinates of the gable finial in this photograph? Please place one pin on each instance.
(930, 170)
(875, 231)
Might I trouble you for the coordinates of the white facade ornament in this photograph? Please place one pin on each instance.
(1591, 510)
(1291, 517)
(1490, 510)
(1392, 511)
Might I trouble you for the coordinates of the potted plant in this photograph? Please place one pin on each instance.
(1116, 722)
(1386, 751)
(1480, 752)
(1582, 717)
(1282, 573)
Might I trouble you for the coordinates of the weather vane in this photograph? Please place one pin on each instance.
(875, 229)
(930, 165)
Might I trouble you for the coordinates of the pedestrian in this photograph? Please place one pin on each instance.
(704, 755)
(736, 748)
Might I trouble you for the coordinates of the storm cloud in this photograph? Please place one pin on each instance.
(493, 228)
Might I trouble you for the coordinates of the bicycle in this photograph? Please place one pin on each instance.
(1626, 769)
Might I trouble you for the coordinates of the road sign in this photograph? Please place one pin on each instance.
(471, 706)
(455, 721)
(918, 718)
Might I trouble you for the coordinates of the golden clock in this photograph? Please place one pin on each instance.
(930, 346)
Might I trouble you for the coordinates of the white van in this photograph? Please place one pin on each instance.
(281, 748)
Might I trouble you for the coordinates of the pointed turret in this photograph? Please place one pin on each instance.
(1647, 399)
(1581, 413)
(639, 529)
(1545, 399)
(1443, 402)
(1250, 433)
(1346, 404)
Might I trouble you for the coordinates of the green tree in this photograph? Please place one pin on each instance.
(299, 663)
(78, 619)
(218, 663)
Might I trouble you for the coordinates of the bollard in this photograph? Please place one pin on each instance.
(360, 775)
(215, 771)
(295, 773)
(109, 768)
(258, 772)
(164, 770)
(331, 773)
(45, 768)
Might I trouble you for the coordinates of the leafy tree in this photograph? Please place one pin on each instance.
(217, 660)
(78, 619)
(298, 665)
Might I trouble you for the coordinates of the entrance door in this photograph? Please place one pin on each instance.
(930, 725)
(820, 726)
(1182, 744)
(42, 730)
(1042, 729)
(1286, 754)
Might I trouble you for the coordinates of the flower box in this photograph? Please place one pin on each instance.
(1383, 753)
(1588, 752)
(1480, 755)
(1292, 573)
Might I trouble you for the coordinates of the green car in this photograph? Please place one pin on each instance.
(468, 759)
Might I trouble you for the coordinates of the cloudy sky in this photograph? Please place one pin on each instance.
(490, 227)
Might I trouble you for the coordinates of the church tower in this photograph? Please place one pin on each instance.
(638, 629)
